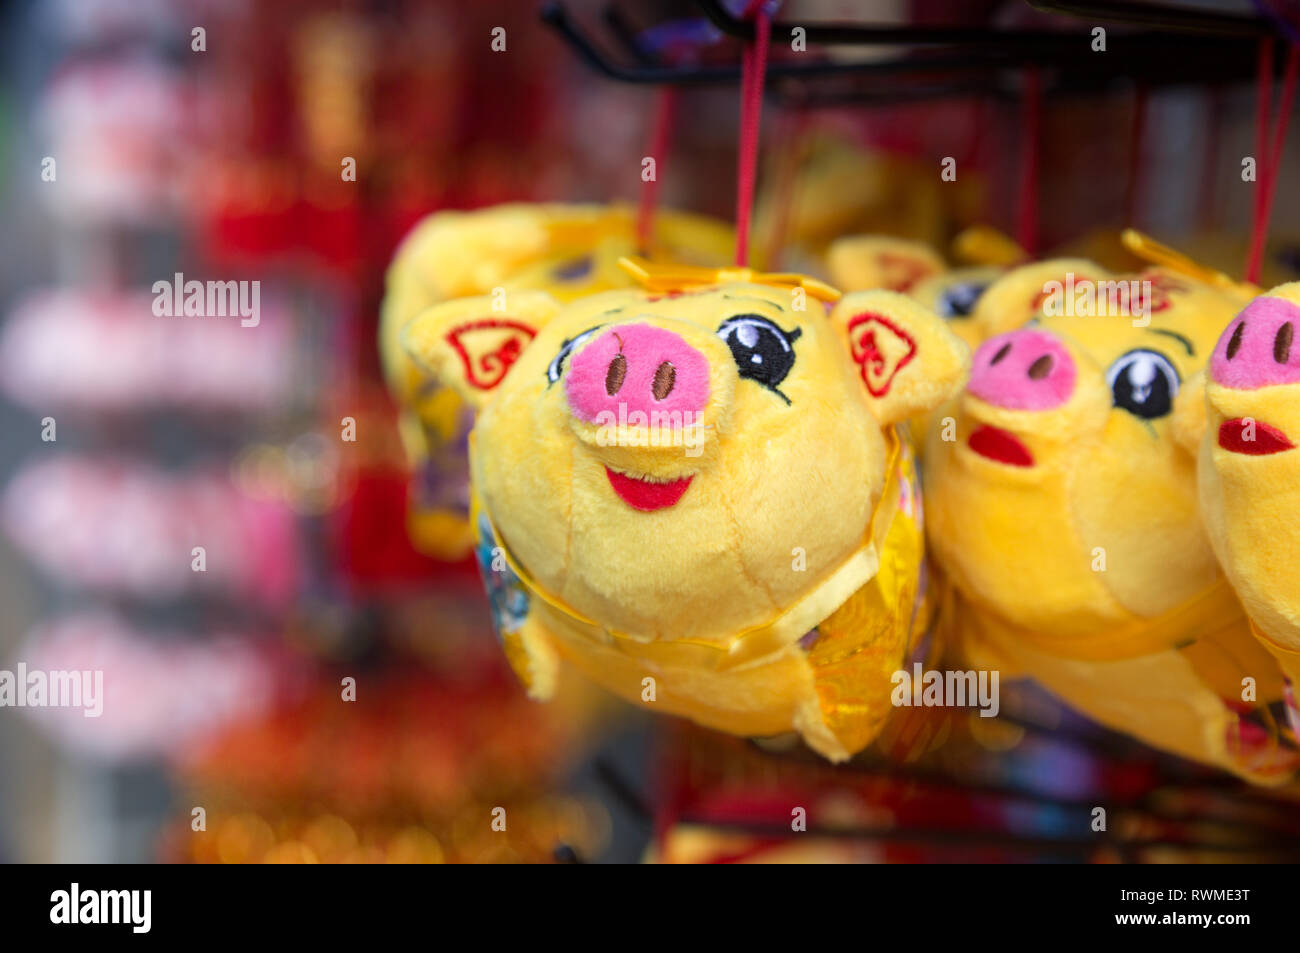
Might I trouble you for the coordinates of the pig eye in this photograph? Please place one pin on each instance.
(1143, 383)
(960, 300)
(761, 350)
(575, 270)
(556, 367)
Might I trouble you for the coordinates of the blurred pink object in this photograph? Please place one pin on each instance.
(108, 352)
(158, 695)
(118, 131)
(127, 528)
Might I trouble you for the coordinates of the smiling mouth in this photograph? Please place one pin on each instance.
(1001, 446)
(647, 495)
(1252, 437)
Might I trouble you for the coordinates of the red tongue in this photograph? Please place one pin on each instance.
(1002, 446)
(1234, 434)
(645, 495)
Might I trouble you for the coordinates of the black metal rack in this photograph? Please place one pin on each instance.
(1148, 44)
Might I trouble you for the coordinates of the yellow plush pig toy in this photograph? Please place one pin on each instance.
(1062, 513)
(1245, 431)
(697, 493)
(566, 250)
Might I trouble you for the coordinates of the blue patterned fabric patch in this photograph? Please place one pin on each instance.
(506, 594)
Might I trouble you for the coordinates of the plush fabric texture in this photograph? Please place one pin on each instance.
(1256, 349)
(883, 342)
(1172, 699)
(797, 505)
(1021, 292)
(881, 262)
(1006, 299)
(1022, 370)
(1065, 520)
(567, 251)
(1249, 499)
(637, 368)
(954, 295)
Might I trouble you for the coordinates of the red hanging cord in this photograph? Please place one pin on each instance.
(753, 70)
(1266, 181)
(660, 141)
(1031, 118)
(1289, 76)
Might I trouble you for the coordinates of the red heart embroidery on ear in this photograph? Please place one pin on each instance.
(901, 272)
(488, 347)
(1162, 286)
(881, 349)
(1036, 302)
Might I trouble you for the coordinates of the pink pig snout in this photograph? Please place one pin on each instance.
(1022, 370)
(1258, 348)
(637, 367)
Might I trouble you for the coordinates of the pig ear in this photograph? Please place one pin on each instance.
(470, 344)
(867, 262)
(908, 360)
(1190, 417)
(1021, 293)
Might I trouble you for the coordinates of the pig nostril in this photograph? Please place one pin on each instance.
(665, 378)
(1234, 342)
(1002, 352)
(1282, 343)
(1040, 368)
(615, 375)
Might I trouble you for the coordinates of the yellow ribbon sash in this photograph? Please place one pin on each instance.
(664, 278)
(884, 545)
